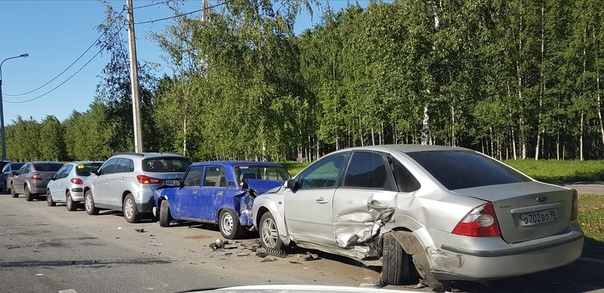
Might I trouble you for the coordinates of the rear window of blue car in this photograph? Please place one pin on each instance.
(466, 169)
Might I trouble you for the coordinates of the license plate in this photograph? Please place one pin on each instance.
(538, 217)
(171, 182)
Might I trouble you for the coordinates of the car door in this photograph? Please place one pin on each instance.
(211, 194)
(365, 200)
(100, 182)
(309, 210)
(58, 184)
(20, 178)
(184, 204)
(117, 181)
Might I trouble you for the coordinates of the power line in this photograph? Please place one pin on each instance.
(179, 15)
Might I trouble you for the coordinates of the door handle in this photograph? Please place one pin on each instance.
(321, 200)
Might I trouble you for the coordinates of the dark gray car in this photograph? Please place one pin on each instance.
(32, 178)
(7, 174)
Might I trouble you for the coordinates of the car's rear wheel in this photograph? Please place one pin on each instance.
(396, 264)
(89, 206)
(129, 208)
(69, 203)
(164, 214)
(229, 225)
(13, 193)
(28, 195)
(49, 200)
(269, 233)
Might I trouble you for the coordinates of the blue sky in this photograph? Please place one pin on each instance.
(55, 33)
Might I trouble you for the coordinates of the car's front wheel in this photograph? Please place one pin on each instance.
(269, 233)
(129, 208)
(89, 206)
(69, 203)
(49, 200)
(229, 225)
(13, 193)
(164, 214)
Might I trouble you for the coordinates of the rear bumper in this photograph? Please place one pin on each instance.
(77, 194)
(516, 260)
(147, 206)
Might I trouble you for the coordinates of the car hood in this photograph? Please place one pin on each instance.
(263, 186)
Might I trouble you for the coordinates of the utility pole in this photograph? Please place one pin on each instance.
(205, 10)
(138, 136)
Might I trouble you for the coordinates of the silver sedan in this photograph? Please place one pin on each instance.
(448, 213)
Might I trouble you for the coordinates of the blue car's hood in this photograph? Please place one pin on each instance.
(262, 186)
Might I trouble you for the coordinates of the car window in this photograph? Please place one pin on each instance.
(86, 169)
(214, 177)
(323, 173)
(14, 167)
(367, 170)
(466, 169)
(24, 169)
(62, 173)
(124, 165)
(166, 164)
(405, 181)
(67, 171)
(261, 172)
(193, 177)
(109, 166)
(47, 166)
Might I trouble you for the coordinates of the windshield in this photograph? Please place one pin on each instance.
(261, 172)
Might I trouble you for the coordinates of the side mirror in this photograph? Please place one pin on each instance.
(292, 184)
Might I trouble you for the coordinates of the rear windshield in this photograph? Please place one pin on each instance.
(466, 169)
(86, 169)
(166, 164)
(261, 172)
(47, 166)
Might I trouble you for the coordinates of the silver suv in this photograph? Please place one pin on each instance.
(126, 181)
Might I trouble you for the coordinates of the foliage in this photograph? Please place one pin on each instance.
(512, 79)
(591, 219)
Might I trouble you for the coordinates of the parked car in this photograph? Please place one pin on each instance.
(452, 213)
(32, 178)
(126, 181)
(219, 193)
(67, 185)
(8, 171)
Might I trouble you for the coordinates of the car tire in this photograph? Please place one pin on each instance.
(13, 193)
(28, 195)
(396, 264)
(228, 224)
(69, 203)
(49, 200)
(164, 214)
(89, 206)
(269, 232)
(129, 209)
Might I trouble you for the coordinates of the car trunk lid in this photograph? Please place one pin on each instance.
(527, 210)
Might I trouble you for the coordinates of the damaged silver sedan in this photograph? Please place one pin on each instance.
(449, 213)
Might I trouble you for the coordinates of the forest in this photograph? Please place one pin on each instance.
(514, 79)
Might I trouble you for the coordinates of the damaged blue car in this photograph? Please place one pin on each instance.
(219, 193)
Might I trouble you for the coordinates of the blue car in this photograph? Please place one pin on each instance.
(219, 193)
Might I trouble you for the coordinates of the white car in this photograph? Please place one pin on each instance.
(450, 213)
(67, 185)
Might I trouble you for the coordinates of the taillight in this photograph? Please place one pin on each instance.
(144, 179)
(574, 213)
(77, 181)
(480, 222)
(36, 176)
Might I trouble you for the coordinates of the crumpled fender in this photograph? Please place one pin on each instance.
(274, 205)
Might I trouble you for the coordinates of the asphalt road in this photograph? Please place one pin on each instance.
(587, 187)
(49, 249)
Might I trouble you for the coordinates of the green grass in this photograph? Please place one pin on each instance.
(591, 219)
